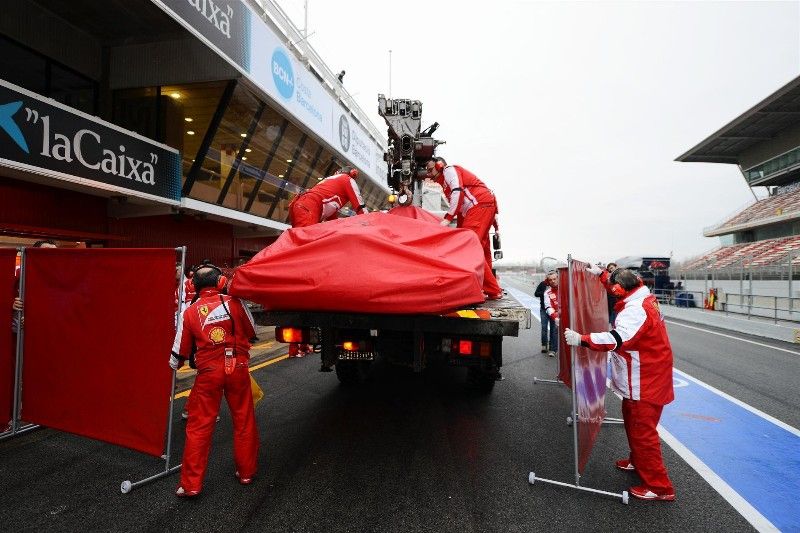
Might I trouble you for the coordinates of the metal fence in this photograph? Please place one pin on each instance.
(749, 305)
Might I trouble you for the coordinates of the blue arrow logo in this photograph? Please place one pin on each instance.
(8, 125)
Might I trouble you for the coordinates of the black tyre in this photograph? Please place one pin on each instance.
(352, 373)
(482, 380)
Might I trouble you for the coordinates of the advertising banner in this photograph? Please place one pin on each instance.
(260, 54)
(99, 324)
(224, 23)
(43, 136)
(7, 339)
(590, 315)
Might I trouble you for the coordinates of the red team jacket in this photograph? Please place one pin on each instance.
(333, 193)
(206, 326)
(641, 354)
(463, 189)
(551, 302)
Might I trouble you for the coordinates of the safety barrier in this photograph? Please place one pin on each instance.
(776, 308)
(583, 307)
(92, 343)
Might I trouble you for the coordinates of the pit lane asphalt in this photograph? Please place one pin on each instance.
(404, 453)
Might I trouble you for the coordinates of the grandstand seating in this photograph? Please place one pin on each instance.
(783, 204)
(751, 254)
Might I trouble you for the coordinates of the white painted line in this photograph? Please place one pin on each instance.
(527, 300)
(735, 338)
(756, 519)
(741, 404)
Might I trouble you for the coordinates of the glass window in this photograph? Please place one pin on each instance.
(71, 89)
(185, 113)
(278, 160)
(22, 67)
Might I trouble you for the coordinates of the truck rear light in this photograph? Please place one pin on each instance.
(289, 334)
(465, 347)
(350, 346)
(485, 349)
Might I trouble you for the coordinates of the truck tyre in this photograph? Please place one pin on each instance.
(352, 373)
(482, 380)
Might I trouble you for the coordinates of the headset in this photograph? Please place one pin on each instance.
(350, 171)
(219, 283)
(439, 165)
(617, 290)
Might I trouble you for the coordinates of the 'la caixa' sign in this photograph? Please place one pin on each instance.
(43, 136)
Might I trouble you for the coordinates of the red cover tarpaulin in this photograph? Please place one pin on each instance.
(373, 263)
(98, 329)
(7, 339)
(590, 315)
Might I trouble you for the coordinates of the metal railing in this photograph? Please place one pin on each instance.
(752, 305)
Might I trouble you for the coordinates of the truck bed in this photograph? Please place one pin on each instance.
(494, 317)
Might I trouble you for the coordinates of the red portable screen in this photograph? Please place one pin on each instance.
(372, 263)
(98, 329)
(590, 308)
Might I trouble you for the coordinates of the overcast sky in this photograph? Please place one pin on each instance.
(574, 112)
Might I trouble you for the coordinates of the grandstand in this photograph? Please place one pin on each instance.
(765, 143)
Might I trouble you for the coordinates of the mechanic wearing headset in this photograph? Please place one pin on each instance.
(641, 364)
(218, 328)
(474, 205)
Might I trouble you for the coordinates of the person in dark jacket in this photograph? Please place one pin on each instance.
(548, 324)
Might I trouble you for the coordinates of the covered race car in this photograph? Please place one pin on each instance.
(372, 263)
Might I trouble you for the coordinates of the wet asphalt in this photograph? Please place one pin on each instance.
(405, 452)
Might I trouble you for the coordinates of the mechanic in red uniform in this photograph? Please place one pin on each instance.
(474, 205)
(323, 201)
(320, 204)
(641, 357)
(218, 327)
(551, 308)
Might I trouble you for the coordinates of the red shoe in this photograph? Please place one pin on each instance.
(181, 493)
(625, 464)
(643, 493)
(243, 480)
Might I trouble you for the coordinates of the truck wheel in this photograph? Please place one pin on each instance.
(480, 379)
(352, 373)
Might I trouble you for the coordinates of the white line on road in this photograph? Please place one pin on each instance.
(756, 519)
(735, 338)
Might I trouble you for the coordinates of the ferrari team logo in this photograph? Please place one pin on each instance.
(657, 308)
(217, 335)
(203, 310)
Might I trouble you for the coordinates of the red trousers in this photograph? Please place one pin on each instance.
(304, 212)
(641, 419)
(209, 386)
(479, 219)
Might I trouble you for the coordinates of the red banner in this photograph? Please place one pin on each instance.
(7, 339)
(590, 315)
(99, 324)
(564, 357)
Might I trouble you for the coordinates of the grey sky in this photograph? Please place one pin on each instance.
(574, 112)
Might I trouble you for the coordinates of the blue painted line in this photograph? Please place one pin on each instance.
(755, 456)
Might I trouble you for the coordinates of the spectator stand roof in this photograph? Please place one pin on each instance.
(758, 124)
